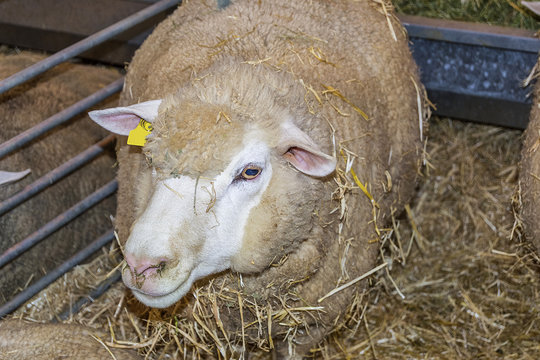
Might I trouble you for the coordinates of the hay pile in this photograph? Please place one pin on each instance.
(471, 284)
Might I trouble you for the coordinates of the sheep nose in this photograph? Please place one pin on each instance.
(144, 266)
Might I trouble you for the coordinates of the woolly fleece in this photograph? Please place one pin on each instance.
(323, 64)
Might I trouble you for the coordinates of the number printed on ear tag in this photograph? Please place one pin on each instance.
(138, 135)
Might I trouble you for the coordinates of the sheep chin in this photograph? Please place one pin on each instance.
(163, 301)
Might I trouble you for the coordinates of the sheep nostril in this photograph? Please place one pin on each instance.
(144, 266)
(158, 268)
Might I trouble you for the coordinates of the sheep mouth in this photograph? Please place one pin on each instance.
(155, 285)
(161, 299)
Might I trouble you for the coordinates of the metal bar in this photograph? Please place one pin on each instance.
(39, 285)
(471, 33)
(94, 294)
(85, 44)
(35, 24)
(58, 222)
(480, 109)
(59, 118)
(53, 176)
(117, 51)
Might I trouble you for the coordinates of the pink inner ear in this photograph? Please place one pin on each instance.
(309, 162)
(118, 123)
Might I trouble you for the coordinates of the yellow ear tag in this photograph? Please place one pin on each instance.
(138, 135)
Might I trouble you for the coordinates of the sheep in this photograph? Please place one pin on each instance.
(22, 108)
(278, 140)
(22, 340)
(529, 170)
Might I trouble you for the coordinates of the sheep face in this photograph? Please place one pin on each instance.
(226, 197)
(194, 226)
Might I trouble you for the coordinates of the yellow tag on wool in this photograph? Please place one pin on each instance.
(138, 135)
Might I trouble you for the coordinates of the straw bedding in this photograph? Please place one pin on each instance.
(471, 282)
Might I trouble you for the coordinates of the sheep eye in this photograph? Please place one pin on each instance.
(250, 172)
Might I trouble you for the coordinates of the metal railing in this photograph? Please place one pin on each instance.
(68, 167)
(83, 45)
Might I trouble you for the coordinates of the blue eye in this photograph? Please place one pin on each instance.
(250, 172)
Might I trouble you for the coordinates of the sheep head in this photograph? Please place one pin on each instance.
(227, 185)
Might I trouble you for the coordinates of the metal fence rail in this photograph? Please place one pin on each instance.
(60, 118)
(85, 44)
(54, 175)
(94, 294)
(46, 280)
(58, 222)
(68, 167)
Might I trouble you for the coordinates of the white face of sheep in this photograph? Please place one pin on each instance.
(195, 226)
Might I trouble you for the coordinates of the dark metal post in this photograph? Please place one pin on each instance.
(58, 222)
(59, 118)
(94, 294)
(42, 283)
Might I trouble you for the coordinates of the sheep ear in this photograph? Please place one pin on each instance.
(534, 6)
(8, 176)
(121, 120)
(302, 152)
